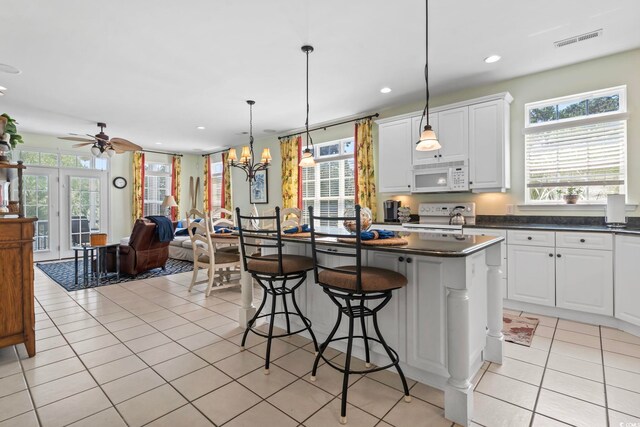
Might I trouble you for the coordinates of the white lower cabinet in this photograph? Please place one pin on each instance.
(627, 279)
(584, 280)
(532, 275)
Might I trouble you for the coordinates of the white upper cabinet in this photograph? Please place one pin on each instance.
(489, 155)
(452, 129)
(394, 156)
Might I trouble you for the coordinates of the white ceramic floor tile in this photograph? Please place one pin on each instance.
(151, 405)
(569, 410)
(622, 379)
(577, 387)
(507, 389)
(519, 370)
(489, 411)
(624, 401)
(583, 328)
(577, 367)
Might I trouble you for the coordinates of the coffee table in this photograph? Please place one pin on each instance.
(99, 253)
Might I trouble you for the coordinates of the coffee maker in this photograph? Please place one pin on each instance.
(391, 210)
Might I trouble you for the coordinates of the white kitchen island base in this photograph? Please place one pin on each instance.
(443, 324)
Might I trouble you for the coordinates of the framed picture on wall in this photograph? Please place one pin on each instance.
(259, 190)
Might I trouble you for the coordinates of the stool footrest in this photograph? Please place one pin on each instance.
(266, 335)
(394, 360)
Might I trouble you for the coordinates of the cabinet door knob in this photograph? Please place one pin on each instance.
(401, 259)
(409, 260)
(559, 256)
(550, 255)
(529, 238)
(435, 156)
(582, 240)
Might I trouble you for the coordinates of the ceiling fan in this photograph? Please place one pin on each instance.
(101, 143)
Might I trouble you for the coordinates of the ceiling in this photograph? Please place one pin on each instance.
(154, 70)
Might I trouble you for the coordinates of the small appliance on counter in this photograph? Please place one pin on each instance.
(444, 217)
(616, 216)
(391, 210)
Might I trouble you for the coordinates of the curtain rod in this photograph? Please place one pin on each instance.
(331, 125)
(215, 152)
(161, 152)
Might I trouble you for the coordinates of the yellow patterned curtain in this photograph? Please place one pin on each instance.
(206, 195)
(365, 175)
(176, 170)
(289, 148)
(226, 202)
(138, 185)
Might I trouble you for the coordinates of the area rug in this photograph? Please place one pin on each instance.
(63, 273)
(518, 329)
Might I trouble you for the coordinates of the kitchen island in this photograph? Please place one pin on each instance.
(444, 324)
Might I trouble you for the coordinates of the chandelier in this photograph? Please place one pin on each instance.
(247, 162)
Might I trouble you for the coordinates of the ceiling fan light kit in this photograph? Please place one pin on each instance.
(428, 140)
(101, 144)
(247, 162)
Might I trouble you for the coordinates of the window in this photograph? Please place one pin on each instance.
(157, 184)
(216, 185)
(63, 160)
(329, 186)
(576, 145)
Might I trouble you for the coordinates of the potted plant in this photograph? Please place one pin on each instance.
(10, 128)
(572, 195)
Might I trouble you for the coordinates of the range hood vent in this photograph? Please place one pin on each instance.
(577, 39)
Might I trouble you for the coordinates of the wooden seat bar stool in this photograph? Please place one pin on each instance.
(273, 273)
(359, 292)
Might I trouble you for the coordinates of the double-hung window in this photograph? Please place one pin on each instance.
(216, 184)
(329, 186)
(157, 184)
(576, 145)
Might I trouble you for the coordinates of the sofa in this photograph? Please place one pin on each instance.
(143, 251)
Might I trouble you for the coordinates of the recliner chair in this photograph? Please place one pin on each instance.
(144, 251)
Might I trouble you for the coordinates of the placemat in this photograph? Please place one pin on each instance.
(394, 241)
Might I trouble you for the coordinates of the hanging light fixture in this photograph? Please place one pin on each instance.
(247, 163)
(428, 140)
(307, 154)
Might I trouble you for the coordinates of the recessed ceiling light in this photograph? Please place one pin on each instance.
(3, 88)
(491, 59)
(6, 68)
(270, 131)
(385, 90)
(201, 128)
(158, 143)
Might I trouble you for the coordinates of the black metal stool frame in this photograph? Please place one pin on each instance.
(269, 288)
(344, 300)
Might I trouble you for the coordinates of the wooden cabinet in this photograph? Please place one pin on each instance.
(532, 276)
(489, 154)
(17, 318)
(394, 156)
(584, 280)
(627, 279)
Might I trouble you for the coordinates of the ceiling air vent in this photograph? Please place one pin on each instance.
(577, 39)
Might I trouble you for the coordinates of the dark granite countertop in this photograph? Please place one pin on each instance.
(426, 244)
(549, 223)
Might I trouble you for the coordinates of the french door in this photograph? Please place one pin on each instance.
(70, 205)
(41, 200)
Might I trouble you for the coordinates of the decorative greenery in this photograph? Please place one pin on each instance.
(12, 130)
(573, 191)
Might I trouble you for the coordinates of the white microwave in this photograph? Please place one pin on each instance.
(440, 180)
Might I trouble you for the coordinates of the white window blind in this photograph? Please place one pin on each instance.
(157, 184)
(584, 156)
(329, 186)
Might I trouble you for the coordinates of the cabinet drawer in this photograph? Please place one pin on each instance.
(602, 241)
(531, 238)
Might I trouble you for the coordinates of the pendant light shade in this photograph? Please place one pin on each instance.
(428, 140)
(307, 159)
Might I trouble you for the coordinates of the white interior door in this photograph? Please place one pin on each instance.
(41, 200)
(84, 207)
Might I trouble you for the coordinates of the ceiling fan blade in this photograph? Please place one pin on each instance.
(125, 145)
(77, 138)
(84, 144)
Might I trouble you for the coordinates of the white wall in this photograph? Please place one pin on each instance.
(600, 73)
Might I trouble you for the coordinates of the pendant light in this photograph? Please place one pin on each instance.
(247, 163)
(307, 154)
(428, 139)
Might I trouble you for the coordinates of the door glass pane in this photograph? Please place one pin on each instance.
(85, 208)
(36, 204)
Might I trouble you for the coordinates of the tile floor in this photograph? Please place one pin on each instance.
(150, 353)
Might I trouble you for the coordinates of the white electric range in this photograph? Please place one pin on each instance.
(434, 217)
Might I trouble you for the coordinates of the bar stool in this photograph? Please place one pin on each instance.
(268, 269)
(350, 287)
